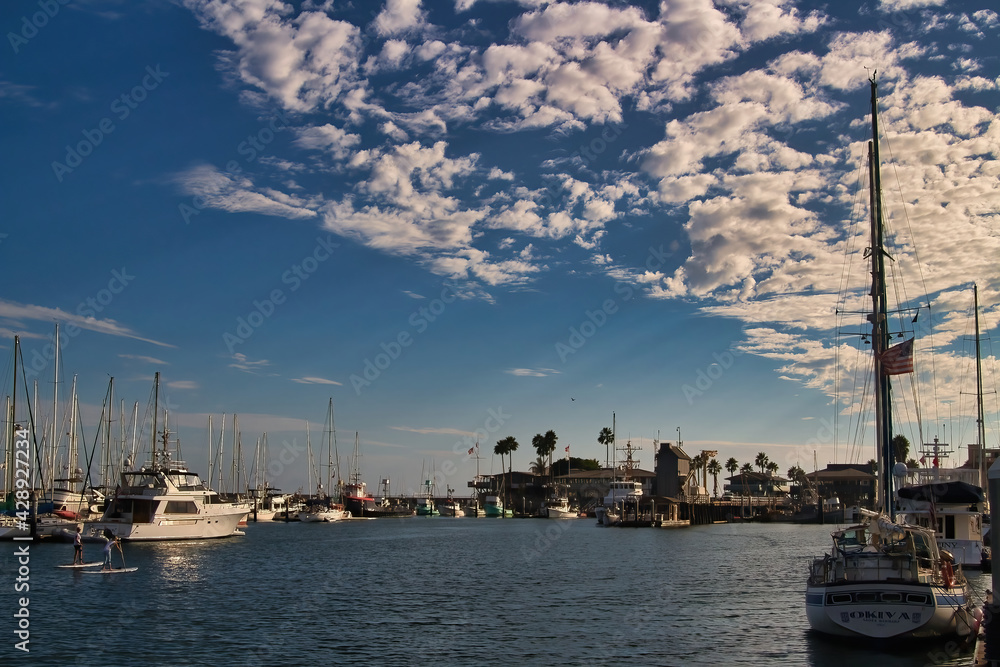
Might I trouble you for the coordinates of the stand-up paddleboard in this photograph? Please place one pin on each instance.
(83, 564)
(113, 571)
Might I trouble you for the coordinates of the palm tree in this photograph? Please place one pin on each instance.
(506, 447)
(696, 462)
(732, 465)
(714, 468)
(545, 444)
(900, 447)
(537, 466)
(761, 461)
(744, 469)
(772, 470)
(798, 476)
(606, 437)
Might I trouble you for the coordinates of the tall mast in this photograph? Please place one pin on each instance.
(980, 422)
(13, 421)
(71, 457)
(56, 430)
(880, 332)
(156, 407)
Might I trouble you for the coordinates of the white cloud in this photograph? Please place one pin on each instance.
(532, 372)
(183, 384)
(143, 359)
(334, 140)
(243, 363)
(315, 380)
(399, 16)
(234, 194)
(304, 63)
(17, 312)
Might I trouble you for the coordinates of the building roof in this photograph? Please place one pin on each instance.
(841, 474)
(756, 477)
(605, 473)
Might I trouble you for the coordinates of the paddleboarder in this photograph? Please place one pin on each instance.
(108, 547)
(78, 546)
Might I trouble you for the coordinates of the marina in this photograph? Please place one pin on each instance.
(525, 589)
(512, 249)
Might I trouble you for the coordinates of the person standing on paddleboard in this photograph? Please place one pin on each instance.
(78, 546)
(108, 547)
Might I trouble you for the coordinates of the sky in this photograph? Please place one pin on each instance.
(461, 221)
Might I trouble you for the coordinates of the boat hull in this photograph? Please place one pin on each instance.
(205, 525)
(562, 513)
(890, 611)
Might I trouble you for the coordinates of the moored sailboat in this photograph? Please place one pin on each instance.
(885, 579)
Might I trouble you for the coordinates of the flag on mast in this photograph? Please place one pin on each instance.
(898, 359)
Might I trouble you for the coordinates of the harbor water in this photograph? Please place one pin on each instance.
(444, 591)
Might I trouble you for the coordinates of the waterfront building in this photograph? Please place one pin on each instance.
(673, 470)
(853, 484)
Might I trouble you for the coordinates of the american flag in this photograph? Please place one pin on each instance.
(898, 359)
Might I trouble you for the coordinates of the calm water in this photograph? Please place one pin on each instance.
(441, 591)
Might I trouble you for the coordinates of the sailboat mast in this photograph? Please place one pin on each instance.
(156, 407)
(56, 430)
(980, 421)
(12, 429)
(880, 332)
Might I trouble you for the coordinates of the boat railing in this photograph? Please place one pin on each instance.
(864, 566)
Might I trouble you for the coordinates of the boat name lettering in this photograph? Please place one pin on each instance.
(879, 615)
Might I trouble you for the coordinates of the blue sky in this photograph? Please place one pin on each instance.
(472, 219)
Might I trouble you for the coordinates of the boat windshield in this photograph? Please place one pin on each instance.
(853, 539)
(186, 482)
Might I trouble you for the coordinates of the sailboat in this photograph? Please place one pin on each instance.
(884, 578)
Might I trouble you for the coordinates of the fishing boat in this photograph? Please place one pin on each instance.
(885, 578)
(450, 506)
(624, 495)
(493, 506)
(558, 507)
(621, 493)
(481, 486)
(425, 502)
(164, 500)
(360, 504)
(323, 513)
